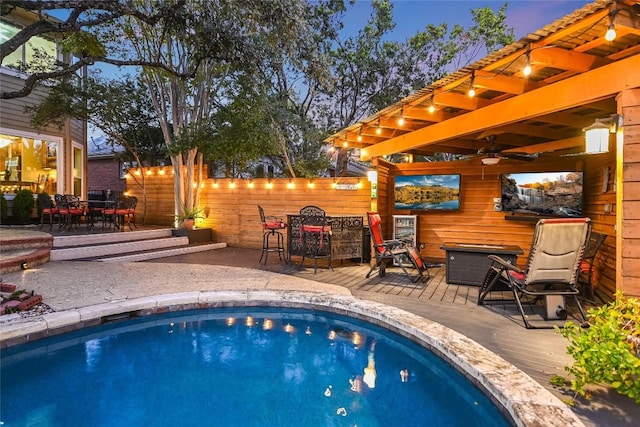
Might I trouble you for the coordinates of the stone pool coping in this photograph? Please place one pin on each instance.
(524, 400)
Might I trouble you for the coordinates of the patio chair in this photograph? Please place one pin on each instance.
(394, 252)
(125, 212)
(47, 208)
(315, 235)
(272, 226)
(587, 269)
(550, 274)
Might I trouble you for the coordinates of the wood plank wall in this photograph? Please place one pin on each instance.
(233, 215)
(232, 211)
(629, 223)
(477, 222)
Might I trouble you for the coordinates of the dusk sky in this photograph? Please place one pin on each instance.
(524, 16)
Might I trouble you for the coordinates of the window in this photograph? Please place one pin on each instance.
(38, 54)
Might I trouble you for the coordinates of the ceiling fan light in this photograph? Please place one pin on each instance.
(490, 161)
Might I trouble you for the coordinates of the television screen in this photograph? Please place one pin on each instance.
(427, 192)
(543, 193)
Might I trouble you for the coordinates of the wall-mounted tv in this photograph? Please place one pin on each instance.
(427, 192)
(543, 193)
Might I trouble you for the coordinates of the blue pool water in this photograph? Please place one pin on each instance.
(236, 368)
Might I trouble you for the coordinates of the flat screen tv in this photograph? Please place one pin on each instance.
(543, 193)
(427, 192)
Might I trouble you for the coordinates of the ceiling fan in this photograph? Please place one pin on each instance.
(492, 155)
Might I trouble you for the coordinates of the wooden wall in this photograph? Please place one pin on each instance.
(233, 215)
(232, 211)
(477, 222)
(629, 173)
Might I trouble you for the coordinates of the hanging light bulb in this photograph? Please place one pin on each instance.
(472, 91)
(611, 32)
(401, 119)
(432, 106)
(360, 134)
(526, 71)
(378, 128)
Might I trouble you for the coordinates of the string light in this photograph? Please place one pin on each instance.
(378, 128)
(610, 35)
(432, 106)
(472, 91)
(360, 134)
(251, 184)
(269, 185)
(526, 71)
(401, 119)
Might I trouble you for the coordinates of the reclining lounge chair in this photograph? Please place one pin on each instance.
(550, 274)
(394, 252)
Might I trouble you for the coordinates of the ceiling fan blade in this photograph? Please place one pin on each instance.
(522, 157)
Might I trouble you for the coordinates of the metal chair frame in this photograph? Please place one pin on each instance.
(393, 252)
(272, 226)
(315, 232)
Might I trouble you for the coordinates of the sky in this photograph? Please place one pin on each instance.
(411, 16)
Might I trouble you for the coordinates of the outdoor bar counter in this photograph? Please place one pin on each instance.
(346, 236)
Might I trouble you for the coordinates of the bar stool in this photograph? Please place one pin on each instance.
(315, 232)
(272, 226)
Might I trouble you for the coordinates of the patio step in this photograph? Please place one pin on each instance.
(21, 249)
(124, 247)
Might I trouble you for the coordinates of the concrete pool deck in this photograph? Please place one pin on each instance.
(86, 293)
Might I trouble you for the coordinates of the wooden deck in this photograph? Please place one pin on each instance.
(541, 353)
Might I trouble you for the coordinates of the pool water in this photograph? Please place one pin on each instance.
(236, 368)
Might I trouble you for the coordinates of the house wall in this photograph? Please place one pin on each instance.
(104, 174)
(14, 117)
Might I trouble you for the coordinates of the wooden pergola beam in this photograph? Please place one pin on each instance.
(574, 91)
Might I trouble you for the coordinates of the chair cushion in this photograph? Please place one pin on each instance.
(517, 276)
(585, 266)
(274, 225)
(316, 228)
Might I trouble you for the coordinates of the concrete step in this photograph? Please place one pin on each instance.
(108, 238)
(20, 249)
(155, 254)
(105, 249)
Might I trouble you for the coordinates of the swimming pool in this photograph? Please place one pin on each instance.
(231, 367)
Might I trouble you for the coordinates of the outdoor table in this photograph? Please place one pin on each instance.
(468, 263)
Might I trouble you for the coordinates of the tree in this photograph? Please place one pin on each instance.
(82, 34)
(219, 41)
(371, 72)
(121, 109)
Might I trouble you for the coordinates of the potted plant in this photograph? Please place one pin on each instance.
(187, 218)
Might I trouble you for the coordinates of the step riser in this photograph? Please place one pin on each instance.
(164, 253)
(18, 245)
(102, 250)
(108, 238)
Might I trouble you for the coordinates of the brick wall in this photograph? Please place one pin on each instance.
(104, 174)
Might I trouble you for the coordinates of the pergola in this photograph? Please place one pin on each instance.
(577, 75)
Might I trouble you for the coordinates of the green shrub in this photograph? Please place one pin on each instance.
(4, 208)
(608, 352)
(23, 206)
